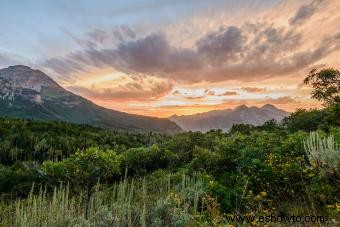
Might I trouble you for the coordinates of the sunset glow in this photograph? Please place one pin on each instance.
(162, 58)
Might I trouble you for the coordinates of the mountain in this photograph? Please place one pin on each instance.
(224, 119)
(31, 94)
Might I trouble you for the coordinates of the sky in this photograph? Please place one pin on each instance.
(166, 57)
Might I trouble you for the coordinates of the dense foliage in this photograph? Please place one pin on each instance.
(326, 85)
(269, 169)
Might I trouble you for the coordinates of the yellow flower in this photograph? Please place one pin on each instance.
(337, 206)
(258, 198)
(263, 194)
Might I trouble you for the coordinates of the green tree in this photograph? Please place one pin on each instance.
(326, 85)
(84, 168)
(143, 160)
(242, 128)
(304, 120)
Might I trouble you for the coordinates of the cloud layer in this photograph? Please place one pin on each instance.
(247, 52)
(305, 12)
(216, 55)
(132, 91)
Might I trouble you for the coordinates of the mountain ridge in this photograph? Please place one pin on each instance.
(29, 93)
(226, 118)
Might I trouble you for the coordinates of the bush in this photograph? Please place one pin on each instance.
(323, 153)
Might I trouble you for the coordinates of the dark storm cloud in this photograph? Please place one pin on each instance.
(305, 12)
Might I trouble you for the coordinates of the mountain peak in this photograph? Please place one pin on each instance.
(30, 93)
(269, 107)
(241, 107)
(22, 76)
(22, 70)
(226, 119)
(19, 67)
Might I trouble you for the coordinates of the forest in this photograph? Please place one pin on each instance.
(63, 174)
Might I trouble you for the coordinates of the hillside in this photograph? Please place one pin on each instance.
(31, 94)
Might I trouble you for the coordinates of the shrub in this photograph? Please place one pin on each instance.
(322, 153)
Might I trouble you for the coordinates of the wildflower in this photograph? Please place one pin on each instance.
(258, 197)
(337, 205)
(263, 194)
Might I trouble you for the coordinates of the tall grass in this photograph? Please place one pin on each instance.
(140, 202)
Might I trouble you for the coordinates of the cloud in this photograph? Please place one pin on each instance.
(209, 92)
(132, 91)
(279, 100)
(7, 59)
(195, 97)
(283, 100)
(231, 103)
(176, 92)
(305, 12)
(223, 45)
(249, 52)
(253, 89)
(124, 32)
(229, 93)
(154, 56)
(98, 38)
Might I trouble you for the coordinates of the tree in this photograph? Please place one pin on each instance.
(84, 168)
(306, 120)
(142, 160)
(242, 128)
(326, 85)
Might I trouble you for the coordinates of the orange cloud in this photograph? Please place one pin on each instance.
(253, 89)
(257, 57)
(176, 92)
(132, 91)
(194, 97)
(229, 93)
(211, 93)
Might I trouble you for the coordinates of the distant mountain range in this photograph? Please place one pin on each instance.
(224, 119)
(31, 94)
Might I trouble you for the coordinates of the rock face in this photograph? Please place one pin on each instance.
(225, 119)
(31, 94)
(21, 82)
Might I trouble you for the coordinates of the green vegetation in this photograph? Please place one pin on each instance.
(155, 201)
(61, 174)
(326, 84)
(77, 171)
